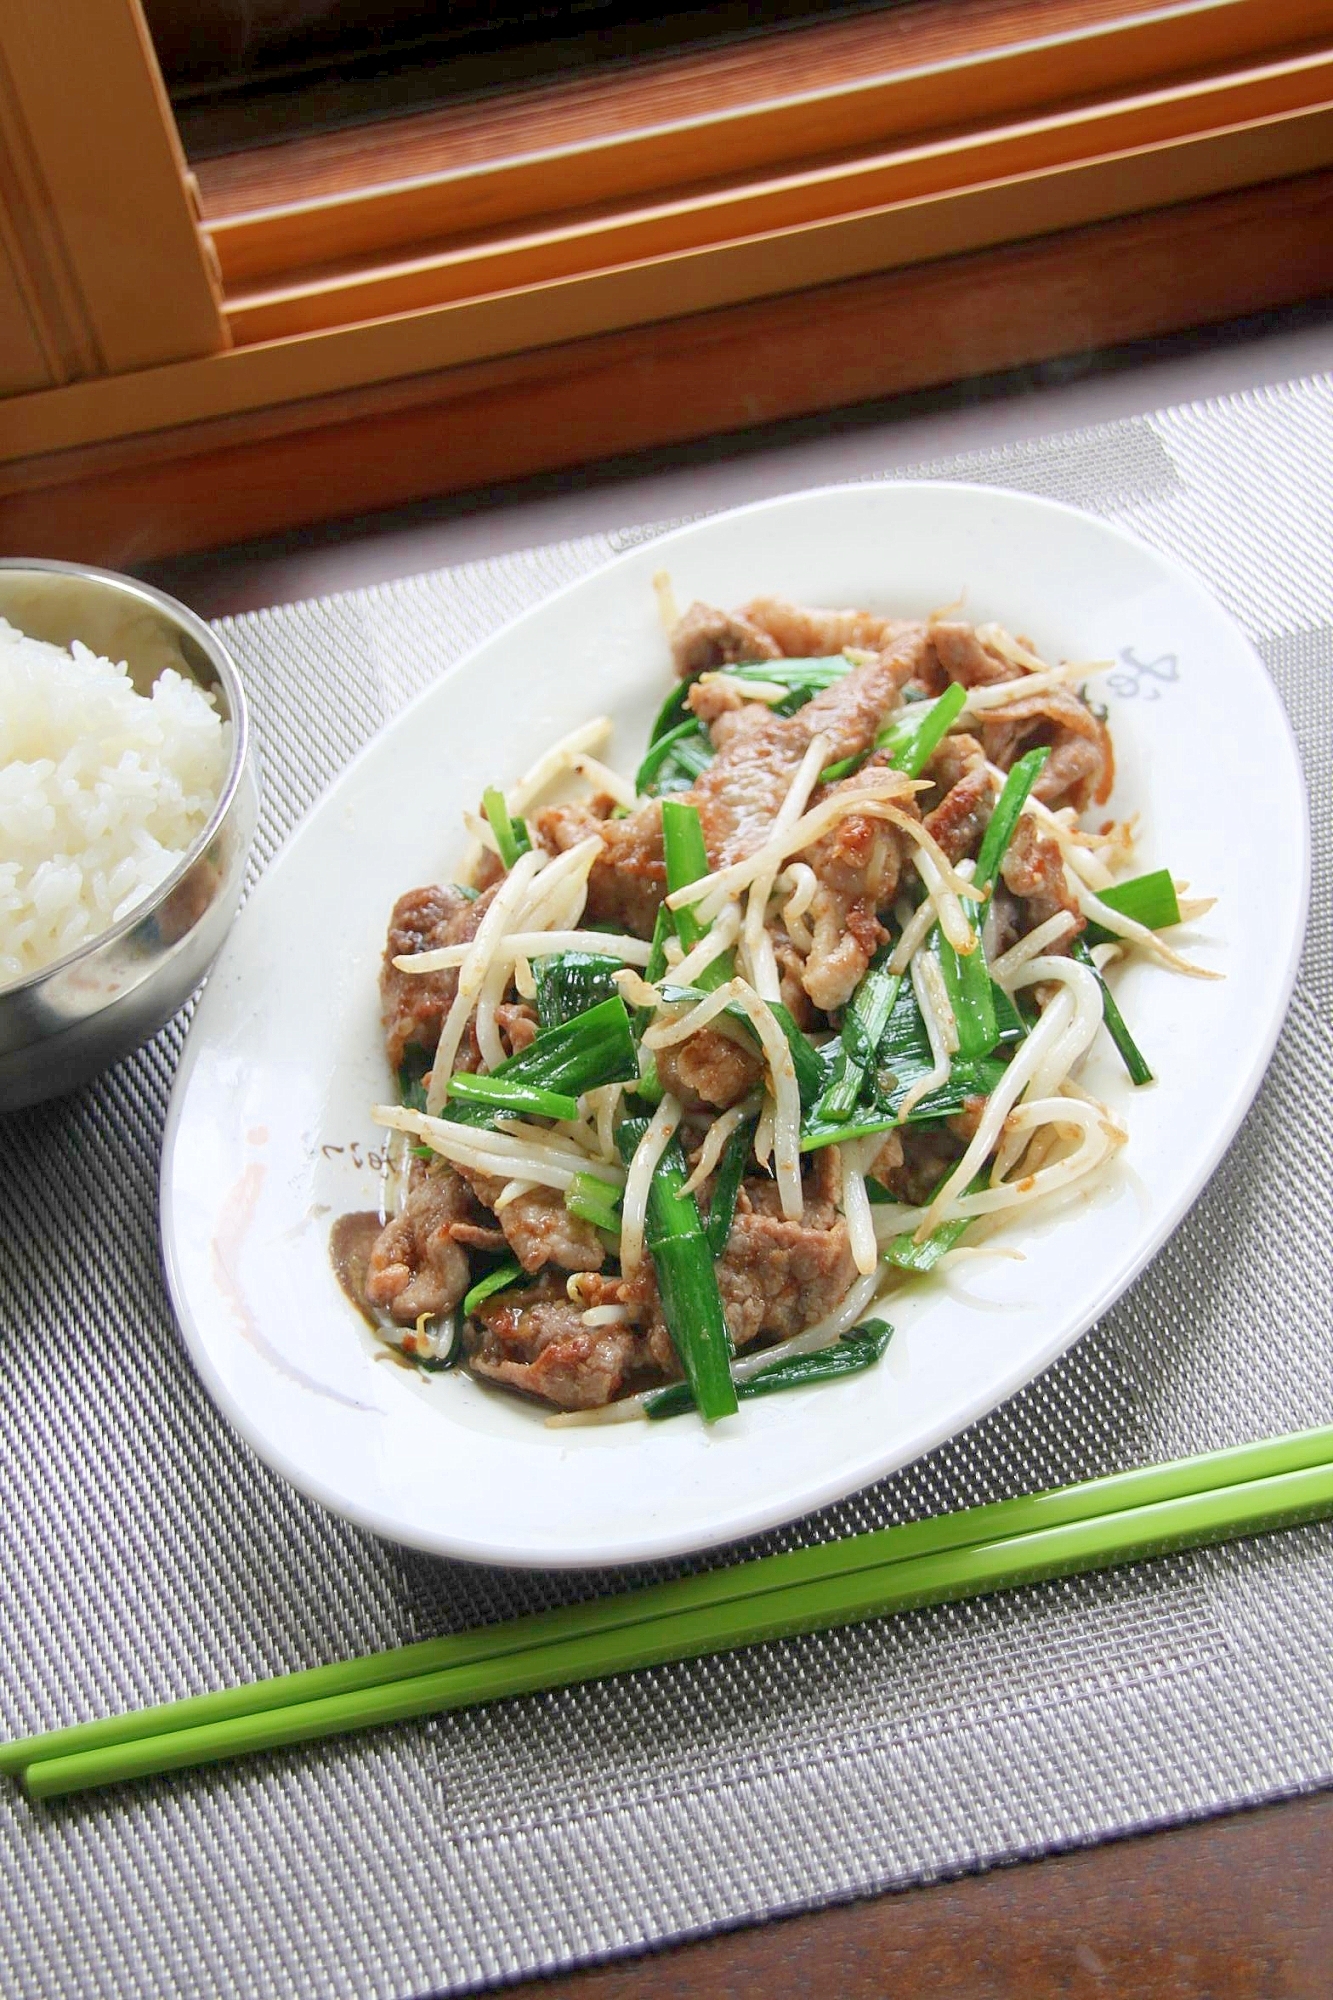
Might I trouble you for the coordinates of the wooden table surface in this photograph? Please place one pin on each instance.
(1237, 1908)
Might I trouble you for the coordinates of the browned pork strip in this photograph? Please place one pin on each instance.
(778, 1277)
(709, 1068)
(538, 1228)
(913, 1161)
(535, 1340)
(954, 758)
(704, 639)
(414, 1004)
(858, 863)
(416, 1265)
(628, 881)
(1081, 766)
(639, 1296)
(846, 935)
(963, 813)
(739, 794)
(518, 1024)
(964, 659)
(801, 632)
(1033, 871)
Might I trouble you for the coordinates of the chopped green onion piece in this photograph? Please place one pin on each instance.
(1012, 1027)
(804, 677)
(674, 710)
(507, 1093)
(412, 1073)
(570, 982)
(582, 1053)
(676, 759)
(726, 1186)
(995, 841)
(807, 1061)
(906, 1254)
(561, 1062)
(1149, 899)
(467, 892)
(966, 977)
(863, 1024)
(966, 1081)
(971, 992)
(686, 1280)
(595, 1201)
(498, 1280)
(911, 740)
(1130, 1053)
(649, 1085)
(686, 862)
(851, 1354)
(641, 1018)
(844, 767)
(801, 678)
(511, 835)
(663, 928)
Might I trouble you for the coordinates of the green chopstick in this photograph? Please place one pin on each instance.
(353, 1693)
(843, 1597)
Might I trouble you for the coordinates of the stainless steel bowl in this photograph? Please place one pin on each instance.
(64, 1024)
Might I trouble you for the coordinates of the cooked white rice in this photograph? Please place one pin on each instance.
(102, 790)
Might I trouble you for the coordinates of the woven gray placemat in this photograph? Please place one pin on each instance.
(147, 1553)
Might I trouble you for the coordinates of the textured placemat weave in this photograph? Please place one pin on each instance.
(147, 1553)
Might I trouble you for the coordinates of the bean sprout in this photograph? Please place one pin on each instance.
(638, 1180)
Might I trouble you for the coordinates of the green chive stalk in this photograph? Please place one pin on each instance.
(726, 1186)
(1128, 1049)
(851, 1354)
(1149, 900)
(498, 1280)
(511, 835)
(594, 1201)
(686, 1280)
(863, 1024)
(507, 1093)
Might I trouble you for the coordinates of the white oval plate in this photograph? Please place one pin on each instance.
(270, 1133)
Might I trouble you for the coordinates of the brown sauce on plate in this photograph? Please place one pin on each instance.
(351, 1241)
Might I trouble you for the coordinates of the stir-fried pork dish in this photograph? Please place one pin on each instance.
(694, 1069)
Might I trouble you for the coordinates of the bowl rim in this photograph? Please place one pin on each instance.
(238, 715)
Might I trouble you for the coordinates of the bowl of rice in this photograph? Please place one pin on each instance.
(128, 803)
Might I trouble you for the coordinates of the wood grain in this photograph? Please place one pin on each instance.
(859, 212)
(104, 202)
(516, 325)
(209, 484)
(827, 58)
(692, 138)
(1234, 1909)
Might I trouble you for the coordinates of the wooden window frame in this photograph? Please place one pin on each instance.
(590, 222)
(890, 80)
(90, 165)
